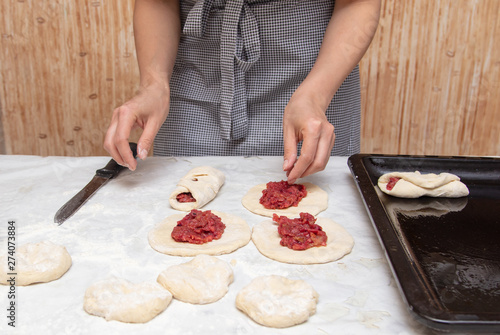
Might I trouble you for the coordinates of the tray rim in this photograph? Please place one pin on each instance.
(413, 288)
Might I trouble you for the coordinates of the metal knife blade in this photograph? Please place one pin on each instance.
(102, 176)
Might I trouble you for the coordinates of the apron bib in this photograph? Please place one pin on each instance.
(238, 64)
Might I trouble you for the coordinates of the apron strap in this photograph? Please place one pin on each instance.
(239, 51)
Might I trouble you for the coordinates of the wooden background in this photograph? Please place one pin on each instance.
(430, 80)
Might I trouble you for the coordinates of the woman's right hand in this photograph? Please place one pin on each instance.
(156, 31)
(148, 109)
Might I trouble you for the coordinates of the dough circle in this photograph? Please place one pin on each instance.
(236, 235)
(266, 238)
(203, 280)
(36, 263)
(314, 203)
(276, 301)
(120, 300)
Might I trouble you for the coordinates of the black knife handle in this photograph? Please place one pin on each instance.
(112, 169)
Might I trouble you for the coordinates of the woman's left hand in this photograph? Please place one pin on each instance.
(304, 120)
(346, 39)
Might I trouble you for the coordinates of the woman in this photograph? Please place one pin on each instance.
(247, 77)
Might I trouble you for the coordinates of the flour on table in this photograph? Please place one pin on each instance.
(236, 235)
(267, 240)
(120, 300)
(315, 202)
(203, 280)
(371, 318)
(36, 263)
(276, 301)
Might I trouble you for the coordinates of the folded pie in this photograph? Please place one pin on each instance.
(197, 188)
(415, 185)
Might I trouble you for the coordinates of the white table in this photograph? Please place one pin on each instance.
(108, 237)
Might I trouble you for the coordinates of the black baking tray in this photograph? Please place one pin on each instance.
(443, 252)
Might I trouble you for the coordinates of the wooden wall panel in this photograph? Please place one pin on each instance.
(430, 80)
(64, 66)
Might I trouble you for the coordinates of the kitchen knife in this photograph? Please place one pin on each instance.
(102, 176)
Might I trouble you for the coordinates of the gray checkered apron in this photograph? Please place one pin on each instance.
(238, 64)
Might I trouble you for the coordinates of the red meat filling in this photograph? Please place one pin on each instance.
(300, 233)
(198, 227)
(185, 197)
(392, 182)
(281, 195)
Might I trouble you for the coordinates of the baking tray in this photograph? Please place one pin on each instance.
(443, 252)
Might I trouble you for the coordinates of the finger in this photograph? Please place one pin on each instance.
(323, 152)
(126, 121)
(147, 138)
(290, 148)
(109, 144)
(307, 155)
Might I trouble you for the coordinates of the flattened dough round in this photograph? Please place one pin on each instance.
(266, 238)
(315, 202)
(236, 235)
(120, 300)
(202, 280)
(37, 263)
(276, 301)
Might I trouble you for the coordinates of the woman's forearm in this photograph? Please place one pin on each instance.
(157, 33)
(346, 39)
